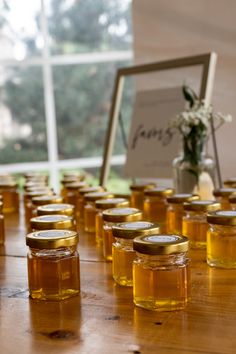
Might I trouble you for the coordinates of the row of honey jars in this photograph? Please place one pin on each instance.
(101, 205)
(53, 264)
(122, 249)
(90, 209)
(111, 217)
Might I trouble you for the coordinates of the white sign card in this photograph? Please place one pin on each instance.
(152, 144)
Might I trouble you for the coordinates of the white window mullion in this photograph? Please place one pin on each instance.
(49, 100)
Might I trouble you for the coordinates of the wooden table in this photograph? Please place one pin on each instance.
(103, 318)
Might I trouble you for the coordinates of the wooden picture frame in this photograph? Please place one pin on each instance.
(208, 63)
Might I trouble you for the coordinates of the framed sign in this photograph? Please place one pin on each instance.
(206, 61)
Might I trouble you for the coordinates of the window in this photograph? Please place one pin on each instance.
(57, 64)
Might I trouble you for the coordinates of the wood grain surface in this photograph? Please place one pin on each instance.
(103, 318)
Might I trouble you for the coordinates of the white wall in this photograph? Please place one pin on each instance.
(165, 29)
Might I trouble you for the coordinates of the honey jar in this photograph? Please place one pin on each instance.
(111, 217)
(90, 210)
(195, 225)
(70, 191)
(103, 204)
(81, 202)
(175, 211)
(155, 206)
(222, 196)
(137, 194)
(52, 209)
(230, 182)
(161, 272)
(44, 199)
(53, 264)
(2, 226)
(48, 222)
(10, 195)
(122, 249)
(221, 239)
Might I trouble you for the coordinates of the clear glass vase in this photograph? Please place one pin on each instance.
(198, 178)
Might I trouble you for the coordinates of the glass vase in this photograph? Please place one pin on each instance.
(194, 178)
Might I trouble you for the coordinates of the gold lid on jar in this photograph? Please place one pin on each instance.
(159, 192)
(161, 244)
(109, 203)
(122, 195)
(202, 205)
(222, 217)
(230, 182)
(223, 192)
(132, 229)
(55, 221)
(8, 184)
(142, 186)
(182, 197)
(60, 209)
(73, 174)
(38, 193)
(46, 199)
(86, 190)
(75, 185)
(49, 239)
(117, 215)
(34, 185)
(92, 197)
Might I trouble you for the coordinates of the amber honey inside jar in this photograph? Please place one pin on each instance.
(53, 265)
(90, 210)
(80, 203)
(161, 272)
(122, 249)
(137, 194)
(155, 206)
(111, 217)
(10, 195)
(221, 239)
(102, 205)
(195, 225)
(2, 225)
(47, 222)
(222, 196)
(175, 211)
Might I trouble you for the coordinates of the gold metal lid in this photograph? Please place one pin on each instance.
(73, 174)
(55, 221)
(202, 205)
(32, 185)
(182, 197)
(122, 195)
(142, 186)
(8, 184)
(223, 192)
(32, 174)
(161, 244)
(92, 197)
(76, 185)
(38, 193)
(109, 203)
(47, 199)
(222, 217)
(49, 239)
(86, 190)
(132, 229)
(230, 182)
(117, 215)
(60, 209)
(232, 198)
(159, 192)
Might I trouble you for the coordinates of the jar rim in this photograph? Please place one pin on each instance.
(132, 229)
(93, 196)
(223, 192)
(110, 203)
(142, 186)
(180, 198)
(53, 221)
(49, 239)
(59, 208)
(222, 217)
(160, 191)
(202, 205)
(46, 199)
(122, 214)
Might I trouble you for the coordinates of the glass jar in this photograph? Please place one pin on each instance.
(161, 272)
(44, 199)
(71, 192)
(194, 223)
(81, 202)
(221, 239)
(122, 249)
(175, 211)
(53, 265)
(48, 222)
(230, 182)
(137, 194)
(111, 217)
(90, 210)
(9, 192)
(222, 196)
(101, 205)
(2, 227)
(59, 209)
(155, 205)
